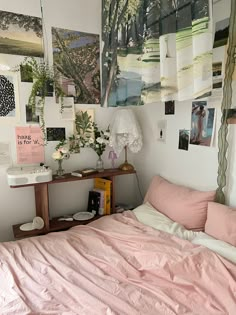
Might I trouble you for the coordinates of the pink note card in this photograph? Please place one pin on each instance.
(29, 145)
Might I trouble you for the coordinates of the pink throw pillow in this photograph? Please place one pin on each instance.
(221, 222)
(181, 204)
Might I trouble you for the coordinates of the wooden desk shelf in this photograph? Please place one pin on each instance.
(42, 202)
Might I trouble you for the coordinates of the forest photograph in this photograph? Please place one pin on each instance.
(131, 51)
(132, 38)
(76, 64)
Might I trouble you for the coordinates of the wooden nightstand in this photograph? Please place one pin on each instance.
(55, 226)
(42, 202)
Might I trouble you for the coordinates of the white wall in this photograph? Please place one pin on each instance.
(196, 168)
(17, 205)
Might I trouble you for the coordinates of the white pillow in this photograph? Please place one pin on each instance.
(220, 247)
(148, 215)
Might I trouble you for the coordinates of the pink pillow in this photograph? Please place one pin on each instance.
(221, 222)
(181, 204)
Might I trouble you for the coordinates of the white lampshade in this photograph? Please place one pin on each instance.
(125, 132)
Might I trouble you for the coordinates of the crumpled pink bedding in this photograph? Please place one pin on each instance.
(115, 265)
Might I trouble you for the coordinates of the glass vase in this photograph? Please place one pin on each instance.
(100, 164)
(60, 171)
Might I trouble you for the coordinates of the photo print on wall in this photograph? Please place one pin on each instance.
(21, 34)
(221, 33)
(202, 124)
(56, 134)
(9, 102)
(183, 139)
(77, 63)
(31, 118)
(151, 51)
(26, 73)
(231, 116)
(170, 108)
(217, 75)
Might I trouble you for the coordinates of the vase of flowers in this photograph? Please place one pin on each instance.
(101, 140)
(60, 171)
(61, 153)
(100, 164)
(97, 140)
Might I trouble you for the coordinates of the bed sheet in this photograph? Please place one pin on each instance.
(115, 265)
(148, 215)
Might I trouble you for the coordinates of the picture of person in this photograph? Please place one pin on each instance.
(231, 116)
(199, 113)
(202, 123)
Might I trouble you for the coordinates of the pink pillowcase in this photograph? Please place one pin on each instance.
(181, 204)
(221, 222)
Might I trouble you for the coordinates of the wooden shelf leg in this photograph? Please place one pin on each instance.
(42, 203)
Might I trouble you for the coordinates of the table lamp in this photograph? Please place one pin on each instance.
(125, 132)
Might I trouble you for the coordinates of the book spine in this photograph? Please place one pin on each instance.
(105, 184)
(102, 201)
(108, 201)
(93, 202)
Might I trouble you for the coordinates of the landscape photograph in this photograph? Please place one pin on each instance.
(21, 34)
(148, 51)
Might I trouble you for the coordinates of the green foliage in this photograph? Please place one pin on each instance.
(101, 139)
(89, 135)
(61, 144)
(74, 144)
(22, 21)
(83, 123)
(79, 64)
(43, 78)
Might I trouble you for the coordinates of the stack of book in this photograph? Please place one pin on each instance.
(100, 197)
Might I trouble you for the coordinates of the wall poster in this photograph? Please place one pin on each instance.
(156, 50)
(21, 34)
(202, 124)
(9, 97)
(29, 145)
(77, 64)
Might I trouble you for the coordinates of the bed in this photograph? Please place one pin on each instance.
(136, 262)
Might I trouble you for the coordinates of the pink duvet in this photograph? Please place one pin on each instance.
(115, 265)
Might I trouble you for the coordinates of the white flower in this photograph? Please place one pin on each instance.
(100, 140)
(57, 155)
(91, 140)
(107, 134)
(63, 150)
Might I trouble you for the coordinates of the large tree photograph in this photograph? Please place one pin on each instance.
(21, 34)
(77, 64)
(130, 51)
(155, 50)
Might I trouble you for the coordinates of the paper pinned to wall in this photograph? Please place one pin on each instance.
(68, 112)
(5, 154)
(29, 145)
